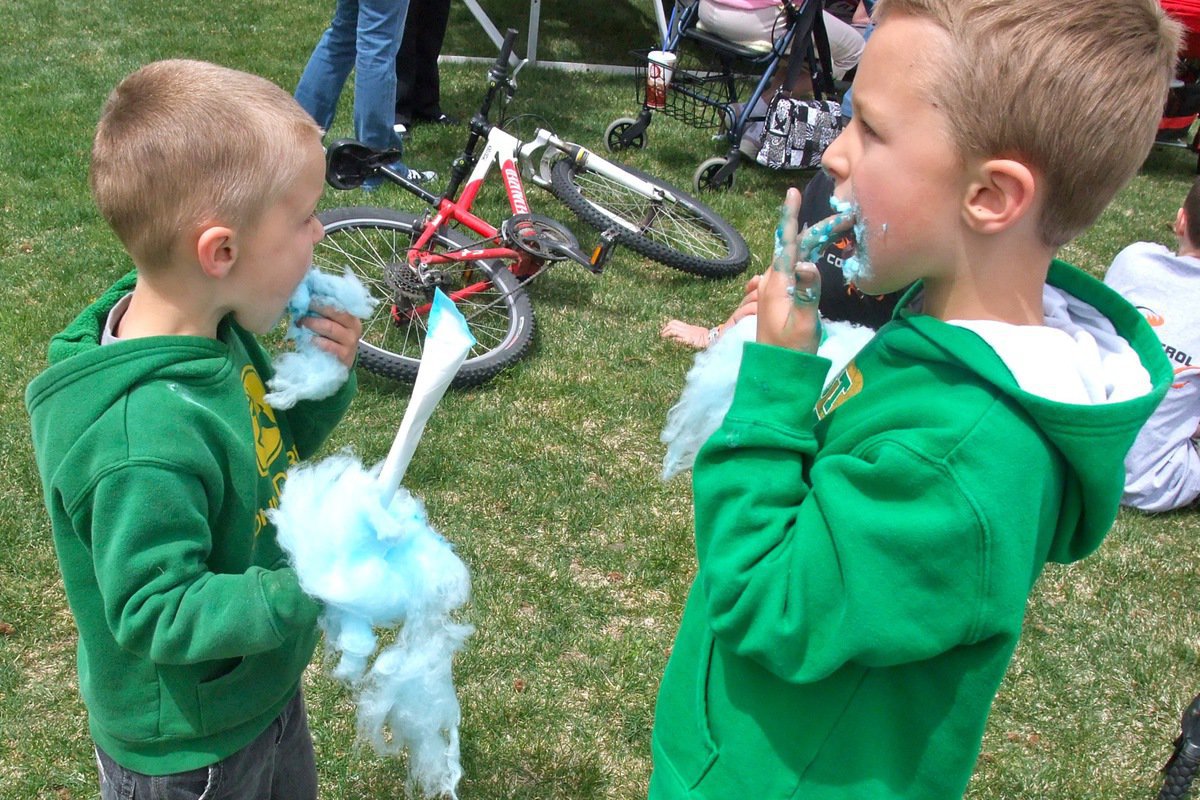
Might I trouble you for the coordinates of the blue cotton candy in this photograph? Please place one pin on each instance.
(308, 372)
(708, 389)
(375, 565)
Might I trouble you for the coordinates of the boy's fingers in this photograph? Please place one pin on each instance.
(787, 232)
(807, 289)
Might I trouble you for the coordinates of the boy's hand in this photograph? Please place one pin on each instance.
(749, 304)
(337, 332)
(789, 291)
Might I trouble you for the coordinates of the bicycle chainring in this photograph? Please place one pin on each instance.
(541, 237)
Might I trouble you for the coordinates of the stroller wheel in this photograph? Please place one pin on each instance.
(616, 130)
(707, 179)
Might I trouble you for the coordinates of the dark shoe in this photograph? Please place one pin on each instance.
(434, 119)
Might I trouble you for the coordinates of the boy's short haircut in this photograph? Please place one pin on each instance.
(181, 143)
(1074, 90)
(1191, 209)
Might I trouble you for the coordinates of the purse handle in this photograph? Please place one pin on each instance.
(818, 38)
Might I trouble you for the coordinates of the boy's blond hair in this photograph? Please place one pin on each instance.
(1074, 90)
(181, 143)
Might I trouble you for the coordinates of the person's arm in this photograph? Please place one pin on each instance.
(160, 598)
(808, 563)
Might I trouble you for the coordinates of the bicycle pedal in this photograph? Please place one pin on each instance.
(602, 251)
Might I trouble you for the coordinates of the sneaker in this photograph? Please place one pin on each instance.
(434, 119)
(417, 176)
(421, 176)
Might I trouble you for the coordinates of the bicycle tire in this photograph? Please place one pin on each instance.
(685, 234)
(1177, 781)
(368, 240)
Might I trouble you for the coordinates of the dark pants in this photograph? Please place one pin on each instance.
(418, 90)
(278, 765)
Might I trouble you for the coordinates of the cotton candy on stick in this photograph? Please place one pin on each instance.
(362, 545)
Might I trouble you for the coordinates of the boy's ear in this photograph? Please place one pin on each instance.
(1180, 229)
(1002, 193)
(216, 250)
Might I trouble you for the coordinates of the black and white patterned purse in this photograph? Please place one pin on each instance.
(796, 132)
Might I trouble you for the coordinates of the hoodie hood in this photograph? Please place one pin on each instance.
(1092, 436)
(85, 383)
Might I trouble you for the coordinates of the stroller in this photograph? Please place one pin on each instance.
(716, 84)
(1183, 100)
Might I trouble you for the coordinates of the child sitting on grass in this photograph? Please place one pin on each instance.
(1162, 470)
(865, 552)
(158, 455)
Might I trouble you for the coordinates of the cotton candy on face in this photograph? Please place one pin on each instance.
(308, 372)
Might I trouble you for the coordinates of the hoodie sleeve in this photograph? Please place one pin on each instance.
(805, 565)
(150, 542)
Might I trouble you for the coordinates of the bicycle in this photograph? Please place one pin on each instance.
(404, 257)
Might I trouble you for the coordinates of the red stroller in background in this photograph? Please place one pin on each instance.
(1183, 101)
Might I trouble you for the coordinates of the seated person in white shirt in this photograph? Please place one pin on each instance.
(1162, 470)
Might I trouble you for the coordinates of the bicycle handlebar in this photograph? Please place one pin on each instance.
(499, 70)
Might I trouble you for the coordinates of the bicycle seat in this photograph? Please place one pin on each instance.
(349, 162)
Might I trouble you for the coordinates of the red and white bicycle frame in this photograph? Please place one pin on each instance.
(515, 160)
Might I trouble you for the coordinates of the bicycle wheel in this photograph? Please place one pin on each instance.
(374, 242)
(682, 233)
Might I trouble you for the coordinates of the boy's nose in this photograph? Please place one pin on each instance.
(318, 230)
(833, 160)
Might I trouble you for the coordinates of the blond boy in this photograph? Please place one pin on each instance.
(866, 552)
(159, 457)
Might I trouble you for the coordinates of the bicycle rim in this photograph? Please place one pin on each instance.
(374, 243)
(682, 233)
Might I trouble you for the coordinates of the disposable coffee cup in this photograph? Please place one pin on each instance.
(660, 68)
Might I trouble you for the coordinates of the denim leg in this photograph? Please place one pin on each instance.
(330, 64)
(380, 29)
(295, 762)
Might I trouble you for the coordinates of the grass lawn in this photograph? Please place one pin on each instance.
(546, 479)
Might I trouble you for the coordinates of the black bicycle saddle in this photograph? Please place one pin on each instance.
(349, 162)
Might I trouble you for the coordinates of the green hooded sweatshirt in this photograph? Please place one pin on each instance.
(159, 459)
(865, 552)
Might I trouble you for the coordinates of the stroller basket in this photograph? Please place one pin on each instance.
(700, 93)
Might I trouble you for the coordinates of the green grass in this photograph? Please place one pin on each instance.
(545, 479)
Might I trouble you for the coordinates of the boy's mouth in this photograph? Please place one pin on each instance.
(842, 221)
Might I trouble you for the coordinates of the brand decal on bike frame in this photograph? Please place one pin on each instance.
(516, 191)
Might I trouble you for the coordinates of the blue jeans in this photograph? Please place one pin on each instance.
(278, 765)
(364, 36)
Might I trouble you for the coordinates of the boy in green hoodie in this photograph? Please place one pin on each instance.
(865, 551)
(158, 455)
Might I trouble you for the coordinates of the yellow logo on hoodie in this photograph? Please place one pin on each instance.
(268, 441)
(841, 389)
